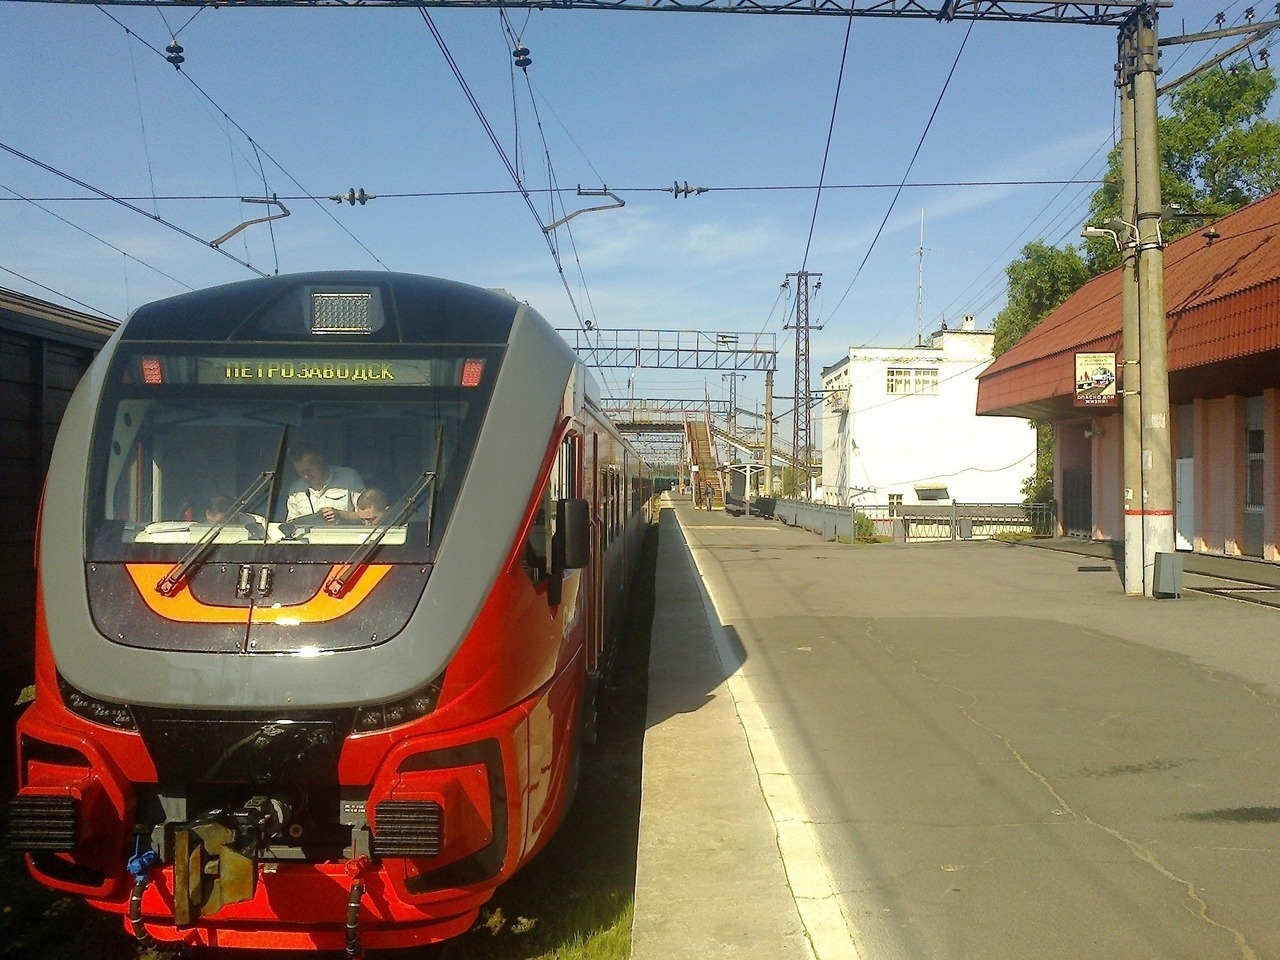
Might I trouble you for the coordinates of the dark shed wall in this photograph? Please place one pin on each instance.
(44, 350)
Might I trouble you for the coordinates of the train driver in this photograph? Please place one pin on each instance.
(330, 491)
(372, 506)
(219, 504)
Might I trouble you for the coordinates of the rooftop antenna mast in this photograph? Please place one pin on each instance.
(920, 286)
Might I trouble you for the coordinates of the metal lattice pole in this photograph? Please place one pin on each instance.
(802, 420)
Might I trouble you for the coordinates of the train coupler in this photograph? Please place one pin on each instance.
(215, 859)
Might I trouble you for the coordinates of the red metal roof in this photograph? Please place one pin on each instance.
(1222, 302)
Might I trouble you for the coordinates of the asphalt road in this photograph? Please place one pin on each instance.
(1002, 756)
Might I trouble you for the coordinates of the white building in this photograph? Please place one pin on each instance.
(899, 427)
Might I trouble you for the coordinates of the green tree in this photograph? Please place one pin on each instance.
(1039, 280)
(1038, 487)
(792, 482)
(1218, 152)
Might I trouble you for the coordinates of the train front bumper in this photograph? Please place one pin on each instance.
(445, 824)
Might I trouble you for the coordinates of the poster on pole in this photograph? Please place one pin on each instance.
(1096, 380)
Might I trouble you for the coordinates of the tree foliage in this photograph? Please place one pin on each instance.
(1039, 280)
(1038, 487)
(1218, 152)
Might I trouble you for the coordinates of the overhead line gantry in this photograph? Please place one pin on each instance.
(1113, 13)
(634, 348)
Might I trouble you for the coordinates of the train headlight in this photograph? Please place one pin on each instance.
(379, 716)
(104, 712)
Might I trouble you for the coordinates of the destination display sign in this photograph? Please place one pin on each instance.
(403, 372)
(282, 371)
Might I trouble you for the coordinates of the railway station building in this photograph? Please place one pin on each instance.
(1222, 296)
(898, 426)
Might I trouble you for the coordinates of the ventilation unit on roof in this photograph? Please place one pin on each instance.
(345, 311)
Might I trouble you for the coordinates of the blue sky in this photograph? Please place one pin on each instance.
(631, 100)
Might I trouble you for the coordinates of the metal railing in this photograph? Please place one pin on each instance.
(920, 522)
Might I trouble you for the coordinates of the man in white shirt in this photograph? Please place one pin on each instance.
(320, 488)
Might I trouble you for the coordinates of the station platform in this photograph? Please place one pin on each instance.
(710, 879)
(802, 693)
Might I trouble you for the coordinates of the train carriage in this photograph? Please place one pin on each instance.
(267, 714)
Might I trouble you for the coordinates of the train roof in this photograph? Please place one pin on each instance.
(49, 321)
(343, 306)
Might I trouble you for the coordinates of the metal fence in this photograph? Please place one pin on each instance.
(932, 522)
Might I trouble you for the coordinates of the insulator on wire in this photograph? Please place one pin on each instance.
(677, 189)
(354, 196)
(523, 59)
(173, 53)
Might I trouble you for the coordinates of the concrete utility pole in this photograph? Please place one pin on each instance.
(1155, 505)
(1131, 396)
(1148, 454)
(802, 423)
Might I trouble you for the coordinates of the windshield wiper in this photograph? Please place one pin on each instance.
(394, 515)
(168, 584)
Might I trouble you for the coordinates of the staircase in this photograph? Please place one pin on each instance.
(704, 455)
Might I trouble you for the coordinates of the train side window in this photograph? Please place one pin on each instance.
(606, 520)
(536, 554)
(562, 483)
(617, 503)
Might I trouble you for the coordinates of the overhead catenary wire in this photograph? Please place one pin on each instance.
(142, 123)
(1053, 231)
(174, 33)
(59, 293)
(94, 236)
(911, 163)
(1025, 230)
(502, 155)
(128, 206)
(554, 191)
(534, 191)
(1069, 212)
(826, 151)
(257, 146)
(577, 290)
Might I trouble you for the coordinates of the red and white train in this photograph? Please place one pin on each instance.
(261, 727)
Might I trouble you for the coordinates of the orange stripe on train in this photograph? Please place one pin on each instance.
(183, 607)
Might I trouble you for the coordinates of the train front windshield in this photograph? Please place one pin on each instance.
(274, 458)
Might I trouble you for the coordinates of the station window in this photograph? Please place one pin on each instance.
(903, 381)
(895, 504)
